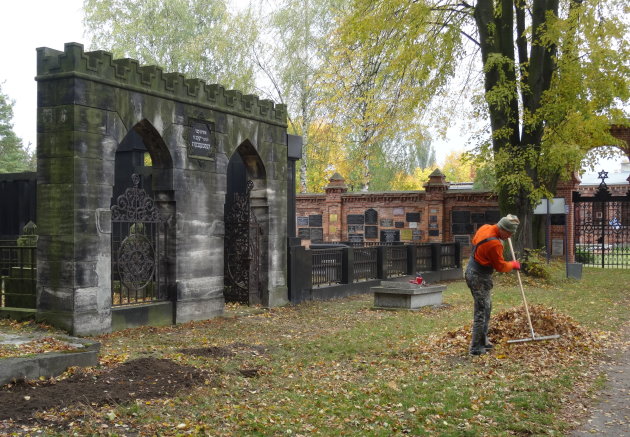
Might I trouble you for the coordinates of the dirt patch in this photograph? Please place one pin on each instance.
(144, 378)
(226, 351)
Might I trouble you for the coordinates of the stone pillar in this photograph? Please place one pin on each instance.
(565, 190)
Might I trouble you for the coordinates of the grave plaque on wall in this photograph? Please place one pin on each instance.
(355, 219)
(478, 217)
(413, 225)
(405, 234)
(315, 221)
(332, 229)
(463, 228)
(464, 240)
(433, 218)
(371, 232)
(355, 229)
(493, 216)
(557, 247)
(434, 233)
(399, 224)
(433, 226)
(317, 234)
(387, 223)
(355, 238)
(461, 216)
(413, 216)
(302, 221)
(304, 233)
(399, 211)
(416, 234)
(371, 217)
(201, 144)
(390, 235)
(332, 218)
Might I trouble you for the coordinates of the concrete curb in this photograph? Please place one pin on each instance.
(49, 364)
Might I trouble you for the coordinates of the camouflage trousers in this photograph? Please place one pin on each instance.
(480, 285)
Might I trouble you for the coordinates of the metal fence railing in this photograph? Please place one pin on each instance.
(423, 257)
(18, 276)
(396, 261)
(449, 256)
(327, 266)
(365, 263)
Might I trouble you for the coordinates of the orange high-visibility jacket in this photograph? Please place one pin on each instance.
(490, 253)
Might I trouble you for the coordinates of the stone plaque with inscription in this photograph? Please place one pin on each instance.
(302, 221)
(399, 225)
(399, 211)
(304, 233)
(434, 233)
(332, 218)
(557, 247)
(315, 220)
(416, 234)
(390, 235)
(413, 216)
(405, 234)
(317, 235)
(387, 223)
(371, 232)
(355, 229)
(355, 238)
(201, 144)
(371, 217)
(355, 219)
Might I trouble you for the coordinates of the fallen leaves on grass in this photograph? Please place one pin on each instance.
(36, 346)
(512, 325)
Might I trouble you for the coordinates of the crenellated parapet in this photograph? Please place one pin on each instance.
(100, 66)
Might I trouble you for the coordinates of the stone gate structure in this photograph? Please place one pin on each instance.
(186, 144)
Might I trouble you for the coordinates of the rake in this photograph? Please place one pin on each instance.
(534, 337)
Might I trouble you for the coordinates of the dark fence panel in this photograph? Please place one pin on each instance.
(423, 257)
(365, 263)
(396, 261)
(449, 256)
(18, 276)
(327, 266)
(18, 199)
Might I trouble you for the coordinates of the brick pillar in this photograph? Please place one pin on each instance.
(436, 189)
(332, 220)
(565, 190)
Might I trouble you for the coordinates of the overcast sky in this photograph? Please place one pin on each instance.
(28, 24)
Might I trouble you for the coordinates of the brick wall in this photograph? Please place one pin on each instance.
(440, 213)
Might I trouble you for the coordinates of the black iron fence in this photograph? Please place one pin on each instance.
(350, 265)
(18, 275)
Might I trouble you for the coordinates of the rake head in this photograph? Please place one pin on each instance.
(534, 338)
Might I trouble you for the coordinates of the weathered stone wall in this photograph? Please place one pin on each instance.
(87, 103)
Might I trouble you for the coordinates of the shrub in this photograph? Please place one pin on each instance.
(534, 264)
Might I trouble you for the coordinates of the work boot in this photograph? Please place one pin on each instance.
(477, 351)
(488, 345)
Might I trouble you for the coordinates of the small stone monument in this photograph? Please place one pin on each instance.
(403, 295)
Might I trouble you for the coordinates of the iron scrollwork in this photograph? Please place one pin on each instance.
(135, 259)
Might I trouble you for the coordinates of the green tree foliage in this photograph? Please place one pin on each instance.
(199, 38)
(290, 53)
(377, 84)
(556, 76)
(13, 157)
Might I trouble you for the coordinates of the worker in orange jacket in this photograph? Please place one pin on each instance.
(486, 257)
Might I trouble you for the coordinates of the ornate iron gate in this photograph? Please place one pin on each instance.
(137, 254)
(242, 250)
(602, 228)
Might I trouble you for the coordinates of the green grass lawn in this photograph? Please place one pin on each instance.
(341, 368)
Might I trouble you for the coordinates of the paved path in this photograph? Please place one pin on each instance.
(611, 410)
